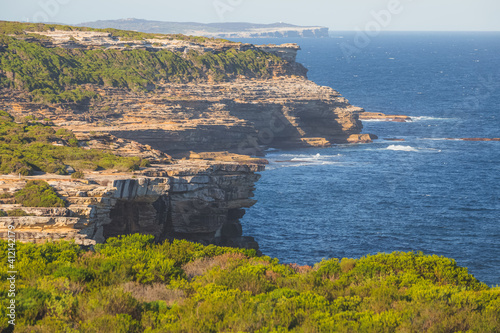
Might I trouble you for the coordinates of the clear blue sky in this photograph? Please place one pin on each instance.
(420, 15)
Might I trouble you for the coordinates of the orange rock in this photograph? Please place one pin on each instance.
(385, 117)
(361, 138)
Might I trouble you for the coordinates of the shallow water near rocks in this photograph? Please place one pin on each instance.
(427, 193)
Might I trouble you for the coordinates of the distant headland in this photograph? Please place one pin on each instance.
(217, 30)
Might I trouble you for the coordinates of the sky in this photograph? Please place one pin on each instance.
(388, 15)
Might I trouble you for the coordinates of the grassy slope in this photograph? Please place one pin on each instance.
(131, 284)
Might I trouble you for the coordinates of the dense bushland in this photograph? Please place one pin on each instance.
(32, 146)
(131, 284)
(54, 75)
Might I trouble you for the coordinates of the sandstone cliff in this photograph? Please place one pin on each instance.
(241, 116)
(201, 195)
(200, 199)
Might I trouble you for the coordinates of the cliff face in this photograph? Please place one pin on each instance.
(203, 196)
(196, 200)
(278, 32)
(241, 116)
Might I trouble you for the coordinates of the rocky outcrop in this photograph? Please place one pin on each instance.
(285, 51)
(198, 200)
(384, 117)
(243, 116)
(106, 40)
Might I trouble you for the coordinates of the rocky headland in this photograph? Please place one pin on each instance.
(198, 132)
(218, 30)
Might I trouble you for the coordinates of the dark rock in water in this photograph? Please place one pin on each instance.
(480, 139)
(474, 139)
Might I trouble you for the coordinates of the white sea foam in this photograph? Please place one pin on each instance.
(297, 160)
(401, 148)
(308, 158)
(439, 139)
(305, 157)
(424, 118)
(291, 164)
(410, 148)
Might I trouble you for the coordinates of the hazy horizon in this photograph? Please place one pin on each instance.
(380, 15)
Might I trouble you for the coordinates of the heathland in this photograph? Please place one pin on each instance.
(141, 87)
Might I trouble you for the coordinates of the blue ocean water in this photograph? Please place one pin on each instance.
(424, 194)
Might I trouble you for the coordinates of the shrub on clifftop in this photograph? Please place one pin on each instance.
(38, 193)
(132, 284)
(32, 146)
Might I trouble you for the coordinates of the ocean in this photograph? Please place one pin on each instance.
(425, 194)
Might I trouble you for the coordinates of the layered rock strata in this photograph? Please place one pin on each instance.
(201, 197)
(384, 117)
(198, 200)
(243, 116)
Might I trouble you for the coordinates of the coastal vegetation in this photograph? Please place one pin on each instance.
(38, 193)
(23, 29)
(14, 212)
(56, 75)
(31, 146)
(131, 284)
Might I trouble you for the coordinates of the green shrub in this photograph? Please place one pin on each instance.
(77, 175)
(17, 212)
(64, 288)
(38, 193)
(28, 147)
(74, 274)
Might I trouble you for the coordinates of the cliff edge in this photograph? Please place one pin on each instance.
(204, 101)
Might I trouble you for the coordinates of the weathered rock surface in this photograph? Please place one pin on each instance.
(197, 200)
(203, 195)
(383, 117)
(240, 116)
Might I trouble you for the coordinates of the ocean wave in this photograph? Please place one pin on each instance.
(410, 148)
(439, 139)
(425, 118)
(297, 160)
(302, 157)
(401, 148)
(312, 158)
(290, 164)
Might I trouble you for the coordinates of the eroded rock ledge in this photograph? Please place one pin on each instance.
(243, 116)
(199, 200)
(202, 195)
